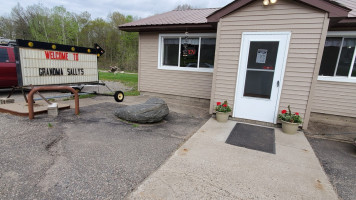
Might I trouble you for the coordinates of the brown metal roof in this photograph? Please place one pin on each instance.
(204, 19)
(194, 16)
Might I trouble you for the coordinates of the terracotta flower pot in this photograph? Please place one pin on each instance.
(222, 116)
(289, 128)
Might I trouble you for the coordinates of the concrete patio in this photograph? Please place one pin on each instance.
(205, 167)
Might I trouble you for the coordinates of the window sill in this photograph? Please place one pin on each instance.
(189, 69)
(337, 79)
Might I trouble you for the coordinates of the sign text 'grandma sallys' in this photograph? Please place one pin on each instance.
(51, 67)
(58, 55)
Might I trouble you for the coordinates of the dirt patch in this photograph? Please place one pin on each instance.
(332, 127)
(318, 185)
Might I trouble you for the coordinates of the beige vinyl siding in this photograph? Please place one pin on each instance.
(182, 83)
(306, 26)
(335, 98)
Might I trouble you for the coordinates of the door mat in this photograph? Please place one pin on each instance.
(253, 137)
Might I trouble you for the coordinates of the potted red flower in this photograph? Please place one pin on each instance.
(290, 121)
(222, 111)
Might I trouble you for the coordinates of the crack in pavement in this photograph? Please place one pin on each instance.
(55, 148)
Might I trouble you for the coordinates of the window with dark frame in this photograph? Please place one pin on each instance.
(339, 57)
(4, 57)
(200, 52)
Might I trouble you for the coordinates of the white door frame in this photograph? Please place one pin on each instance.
(245, 54)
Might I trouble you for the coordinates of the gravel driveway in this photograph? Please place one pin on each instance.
(90, 156)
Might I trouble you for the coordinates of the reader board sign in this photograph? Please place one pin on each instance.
(56, 66)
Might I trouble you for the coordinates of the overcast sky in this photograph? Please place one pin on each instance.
(101, 8)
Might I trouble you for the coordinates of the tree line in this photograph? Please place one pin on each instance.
(57, 25)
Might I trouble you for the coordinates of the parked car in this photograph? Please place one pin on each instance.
(8, 76)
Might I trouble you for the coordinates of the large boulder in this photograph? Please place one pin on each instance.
(153, 110)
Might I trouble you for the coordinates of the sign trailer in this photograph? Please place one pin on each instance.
(43, 64)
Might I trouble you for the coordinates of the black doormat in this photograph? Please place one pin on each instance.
(253, 137)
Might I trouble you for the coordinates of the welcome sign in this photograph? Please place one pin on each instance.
(40, 63)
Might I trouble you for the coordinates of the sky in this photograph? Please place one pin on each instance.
(101, 8)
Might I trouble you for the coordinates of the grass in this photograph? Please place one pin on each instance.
(82, 96)
(129, 80)
(132, 93)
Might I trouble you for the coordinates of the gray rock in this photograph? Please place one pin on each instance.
(153, 110)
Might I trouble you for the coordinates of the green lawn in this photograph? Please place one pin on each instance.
(81, 96)
(129, 80)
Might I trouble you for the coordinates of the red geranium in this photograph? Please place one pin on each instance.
(222, 107)
(288, 116)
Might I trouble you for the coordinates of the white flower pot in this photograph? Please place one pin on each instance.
(222, 116)
(289, 128)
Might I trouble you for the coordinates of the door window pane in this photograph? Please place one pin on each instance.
(260, 69)
(262, 55)
(347, 53)
(190, 57)
(3, 55)
(258, 84)
(207, 53)
(330, 56)
(170, 51)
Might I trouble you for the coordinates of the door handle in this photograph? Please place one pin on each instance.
(277, 83)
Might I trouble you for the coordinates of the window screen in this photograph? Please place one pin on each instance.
(190, 59)
(170, 51)
(346, 57)
(207, 52)
(330, 56)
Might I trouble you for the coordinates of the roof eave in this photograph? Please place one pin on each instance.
(333, 9)
(344, 24)
(168, 27)
(231, 7)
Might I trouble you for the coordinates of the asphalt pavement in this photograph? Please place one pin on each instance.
(90, 156)
(339, 162)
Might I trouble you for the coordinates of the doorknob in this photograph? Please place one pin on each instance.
(277, 83)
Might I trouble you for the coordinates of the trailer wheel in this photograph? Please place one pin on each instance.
(119, 96)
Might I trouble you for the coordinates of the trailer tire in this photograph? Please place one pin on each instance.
(119, 96)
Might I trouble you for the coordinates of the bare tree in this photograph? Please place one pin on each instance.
(20, 22)
(183, 7)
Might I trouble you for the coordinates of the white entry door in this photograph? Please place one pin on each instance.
(260, 75)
